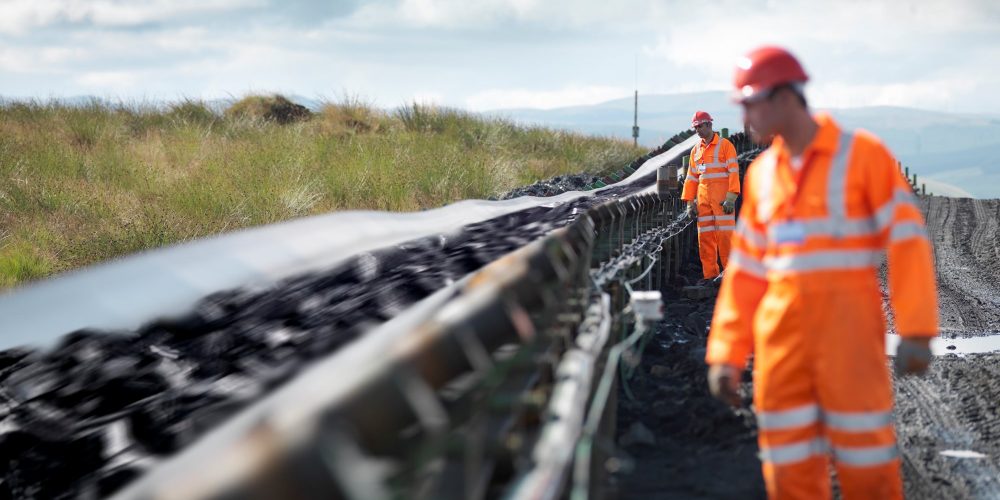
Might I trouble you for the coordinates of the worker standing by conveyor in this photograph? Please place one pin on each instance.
(802, 292)
(711, 187)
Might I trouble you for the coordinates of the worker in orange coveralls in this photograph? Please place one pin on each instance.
(802, 292)
(712, 186)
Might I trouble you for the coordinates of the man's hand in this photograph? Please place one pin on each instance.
(729, 204)
(692, 208)
(913, 356)
(724, 382)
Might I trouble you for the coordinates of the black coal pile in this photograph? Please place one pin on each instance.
(90, 415)
(581, 182)
(746, 157)
(551, 187)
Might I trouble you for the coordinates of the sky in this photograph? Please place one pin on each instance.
(496, 54)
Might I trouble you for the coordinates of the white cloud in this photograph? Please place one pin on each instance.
(21, 16)
(39, 59)
(187, 39)
(110, 81)
(15, 61)
(927, 94)
(543, 99)
(484, 14)
(857, 53)
(878, 26)
(427, 98)
(492, 54)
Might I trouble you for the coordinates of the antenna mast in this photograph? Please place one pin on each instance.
(635, 116)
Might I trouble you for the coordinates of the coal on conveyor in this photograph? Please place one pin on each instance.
(87, 417)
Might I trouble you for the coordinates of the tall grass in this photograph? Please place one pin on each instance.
(84, 184)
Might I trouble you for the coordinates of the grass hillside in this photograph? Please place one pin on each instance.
(84, 184)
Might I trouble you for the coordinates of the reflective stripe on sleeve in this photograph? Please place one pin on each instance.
(706, 229)
(904, 196)
(747, 263)
(907, 230)
(884, 215)
(754, 237)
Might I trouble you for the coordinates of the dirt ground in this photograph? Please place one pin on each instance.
(954, 407)
(966, 237)
(957, 405)
(681, 444)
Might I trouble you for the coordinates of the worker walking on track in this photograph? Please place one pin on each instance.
(711, 187)
(802, 292)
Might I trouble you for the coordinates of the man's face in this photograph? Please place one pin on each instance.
(761, 118)
(704, 130)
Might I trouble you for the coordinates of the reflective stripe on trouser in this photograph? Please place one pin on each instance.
(715, 228)
(822, 392)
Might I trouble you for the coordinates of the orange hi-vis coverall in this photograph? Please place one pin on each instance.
(802, 293)
(713, 173)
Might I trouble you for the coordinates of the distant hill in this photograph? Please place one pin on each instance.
(217, 105)
(956, 154)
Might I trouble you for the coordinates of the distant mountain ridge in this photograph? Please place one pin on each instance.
(956, 154)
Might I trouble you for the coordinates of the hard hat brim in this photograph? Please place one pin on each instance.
(748, 94)
(754, 93)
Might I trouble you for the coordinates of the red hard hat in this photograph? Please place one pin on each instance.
(700, 117)
(764, 68)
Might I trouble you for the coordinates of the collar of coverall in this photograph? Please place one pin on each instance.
(826, 139)
(715, 137)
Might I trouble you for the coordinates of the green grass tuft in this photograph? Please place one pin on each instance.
(274, 108)
(80, 185)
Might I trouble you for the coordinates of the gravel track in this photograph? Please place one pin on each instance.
(956, 406)
(966, 237)
(953, 407)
